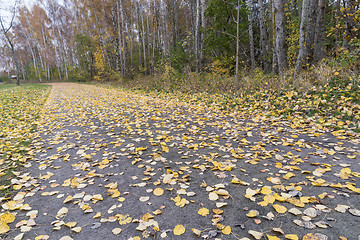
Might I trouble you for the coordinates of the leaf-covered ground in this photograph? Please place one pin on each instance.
(20, 108)
(115, 164)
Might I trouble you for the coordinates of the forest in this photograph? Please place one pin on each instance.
(193, 44)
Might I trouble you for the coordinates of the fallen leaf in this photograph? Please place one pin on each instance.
(116, 231)
(291, 237)
(158, 191)
(196, 232)
(76, 229)
(255, 234)
(279, 208)
(226, 230)
(179, 230)
(272, 237)
(213, 196)
(252, 213)
(203, 212)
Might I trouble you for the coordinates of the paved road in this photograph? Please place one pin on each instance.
(110, 164)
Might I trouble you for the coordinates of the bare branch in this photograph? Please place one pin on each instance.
(226, 33)
(13, 17)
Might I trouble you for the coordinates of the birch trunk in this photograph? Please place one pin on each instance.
(263, 36)
(250, 4)
(120, 40)
(280, 35)
(197, 25)
(237, 45)
(274, 57)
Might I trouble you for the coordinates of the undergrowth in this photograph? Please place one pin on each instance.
(326, 94)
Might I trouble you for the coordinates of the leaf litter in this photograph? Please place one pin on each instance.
(102, 153)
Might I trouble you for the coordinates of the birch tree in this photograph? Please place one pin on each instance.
(250, 4)
(5, 31)
(263, 36)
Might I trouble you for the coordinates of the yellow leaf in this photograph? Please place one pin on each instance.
(279, 208)
(70, 224)
(97, 215)
(140, 149)
(310, 236)
(147, 216)
(76, 230)
(203, 212)
(4, 227)
(165, 149)
(179, 230)
(196, 232)
(226, 230)
(252, 213)
(123, 219)
(158, 191)
(17, 187)
(291, 237)
(272, 237)
(319, 182)
(218, 211)
(97, 197)
(115, 194)
(266, 190)
(7, 217)
(288, 175)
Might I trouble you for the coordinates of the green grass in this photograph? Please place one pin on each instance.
(6, 86)
(20, 108)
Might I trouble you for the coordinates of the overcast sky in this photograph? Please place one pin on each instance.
(7, 5)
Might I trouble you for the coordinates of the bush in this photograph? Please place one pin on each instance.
(78, 75)
(5, 79)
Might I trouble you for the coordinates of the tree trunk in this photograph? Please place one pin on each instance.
(302, 34)
(319, 51)
(237, 84)
(274, 56)
(280, 35)
(263, 36)
(251, 32)
(310, 30)
(120, 59)
(197, 26)
(143, 39)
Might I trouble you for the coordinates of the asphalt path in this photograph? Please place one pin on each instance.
(111, 164)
